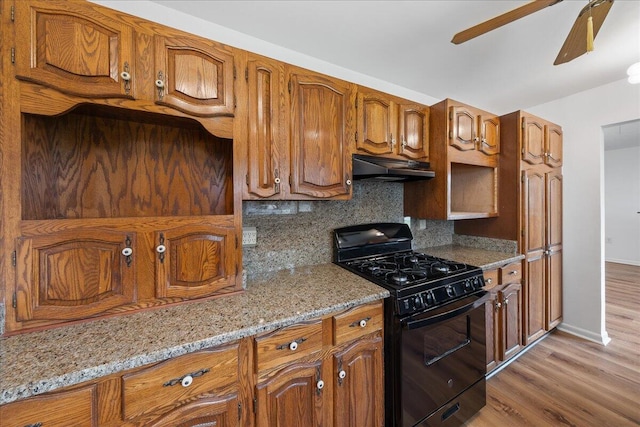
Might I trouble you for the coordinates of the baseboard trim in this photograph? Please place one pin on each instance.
(602, 338)
(623, 261)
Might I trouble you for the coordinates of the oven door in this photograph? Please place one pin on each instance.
(442, 355)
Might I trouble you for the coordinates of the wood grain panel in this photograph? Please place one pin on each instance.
(159, 387)
(83, 166)
(75, 50)
(414, 131)
(532, 140)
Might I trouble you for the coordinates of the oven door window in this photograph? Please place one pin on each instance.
(441, 356)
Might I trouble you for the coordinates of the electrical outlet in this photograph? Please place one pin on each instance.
(249, 236)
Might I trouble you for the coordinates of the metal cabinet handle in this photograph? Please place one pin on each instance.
(186, 380)
(293, 345)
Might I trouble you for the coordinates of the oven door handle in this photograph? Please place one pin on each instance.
(430, 320)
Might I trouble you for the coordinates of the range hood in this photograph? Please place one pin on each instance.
(393, 170)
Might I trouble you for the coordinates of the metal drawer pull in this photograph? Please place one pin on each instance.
(293, 345)
(362, 322)
(186, 380)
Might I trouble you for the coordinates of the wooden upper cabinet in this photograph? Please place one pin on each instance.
(194, 76)
(193, 261)
(462, 128)
(553, 145)
(541, 142)
(321, 131)
(377, 123)
(414, 131)
(266, 153)
(473, 129)
(391, 127)
(532, 140)
(75, 52)
(489, 134)
(74, 274)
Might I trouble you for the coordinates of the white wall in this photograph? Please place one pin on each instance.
(181, 21)
(582, 116)
(622, 204)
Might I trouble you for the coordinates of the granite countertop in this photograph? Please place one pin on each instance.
(37, 362)
(483, 258)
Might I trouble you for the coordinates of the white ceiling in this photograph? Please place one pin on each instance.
(407, 43)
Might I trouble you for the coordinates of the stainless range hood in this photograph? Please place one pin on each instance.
(393, 170)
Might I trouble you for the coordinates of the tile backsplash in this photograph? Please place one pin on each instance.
(292, 234)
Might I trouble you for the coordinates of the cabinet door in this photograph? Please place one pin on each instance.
(489, 134)
(358, 393)
(265, 148)
(218, 412)
(75, 52)
(553, 145)
(493, 332)
(462, 128)
(293, 397)
(377, 123)
(74, 274)
(533, 222)
(61, 409)
(554, 249)
(414, 131)
(194, 261)
(194, 76)
(533, 141)
(321, 134)
(511, 320)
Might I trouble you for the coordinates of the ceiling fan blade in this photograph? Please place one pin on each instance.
(501, 20)
(576, 42)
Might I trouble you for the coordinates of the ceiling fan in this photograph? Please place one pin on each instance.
(579, 40)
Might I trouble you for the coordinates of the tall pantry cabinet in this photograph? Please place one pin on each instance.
(530, 195)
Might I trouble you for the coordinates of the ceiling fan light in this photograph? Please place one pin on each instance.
(634, 73)
(590, 34)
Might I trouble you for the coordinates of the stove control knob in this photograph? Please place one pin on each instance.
(417, 303)
(428, 298)
(468, 284)
(450, 291)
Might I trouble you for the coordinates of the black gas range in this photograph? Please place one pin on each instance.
(435, 353)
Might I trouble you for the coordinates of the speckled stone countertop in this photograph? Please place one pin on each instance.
(482, 258)
(37, 362)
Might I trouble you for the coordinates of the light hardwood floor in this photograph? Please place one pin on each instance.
(567, 381)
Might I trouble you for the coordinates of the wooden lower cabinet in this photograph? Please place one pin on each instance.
(358, 398)
(504, 314)
(303, 375)
(61, 409)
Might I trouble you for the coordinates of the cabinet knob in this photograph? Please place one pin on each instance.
(125, 76)
(160, 84)
(320, 385)
(293, 346)
(277, 180)
(342, 374)
(186, 381)
(161, 249)
(348, 182)
(498, 305)
(127, 251)
(489, 281)
(513, 272)
(363, 323)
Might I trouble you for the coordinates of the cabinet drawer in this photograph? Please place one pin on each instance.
(61, 409)
(170, 383)
(288, 344)
(490, 279)
(357, 322)
(511, 273)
